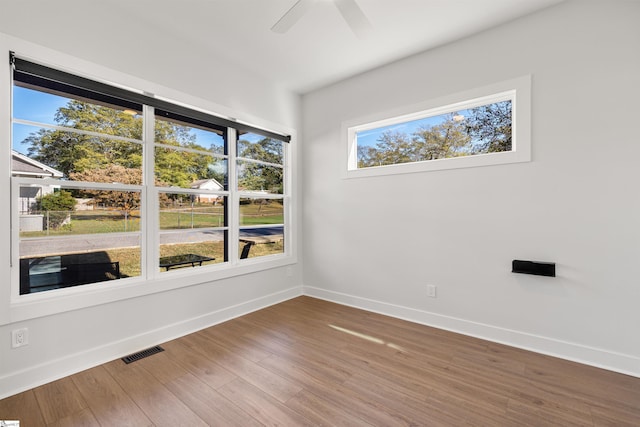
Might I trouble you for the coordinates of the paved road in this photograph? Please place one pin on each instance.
(97, 242)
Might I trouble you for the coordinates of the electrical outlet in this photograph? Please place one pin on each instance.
(431, 291)
(19, 337)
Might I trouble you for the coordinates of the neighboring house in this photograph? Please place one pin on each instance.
(24, 166)
(208, 184)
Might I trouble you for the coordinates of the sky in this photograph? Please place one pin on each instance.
(41, 107)
(32, 105)
(370, 137)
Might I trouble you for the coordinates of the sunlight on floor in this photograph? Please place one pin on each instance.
(368, 338)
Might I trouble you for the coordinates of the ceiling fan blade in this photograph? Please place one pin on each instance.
(354, 16)
(292, 16)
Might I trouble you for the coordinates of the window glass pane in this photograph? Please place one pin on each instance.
(190, 249)
(59, 110)
(257, 242)
(39, 152)
(259, 178)
(68, 239)
(258, 147)
(180, 211)
(191, 234)
(479, 130)
(173, 132)
(261, 211)
(50, 211)
(63, 270)
(185, 169)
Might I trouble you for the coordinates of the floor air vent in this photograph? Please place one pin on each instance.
(142, 354)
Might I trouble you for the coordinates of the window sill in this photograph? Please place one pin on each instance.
(48, 303)
(442, 164)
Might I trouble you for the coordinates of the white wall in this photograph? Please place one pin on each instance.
(78, 338)
(377, 242)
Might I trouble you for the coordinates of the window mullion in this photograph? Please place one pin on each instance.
(287, 191)
(233, 202)
(150, 229)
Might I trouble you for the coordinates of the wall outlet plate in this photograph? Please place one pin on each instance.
(431, 291)
(19, 337)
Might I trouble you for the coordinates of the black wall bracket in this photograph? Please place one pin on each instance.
(534, 267)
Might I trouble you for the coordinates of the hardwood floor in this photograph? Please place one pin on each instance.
(311, 362)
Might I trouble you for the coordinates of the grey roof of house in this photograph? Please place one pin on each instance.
(24, 166)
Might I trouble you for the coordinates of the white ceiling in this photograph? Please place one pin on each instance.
(318, 50)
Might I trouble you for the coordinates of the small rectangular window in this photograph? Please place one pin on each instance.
(477, 131)
(462, 132)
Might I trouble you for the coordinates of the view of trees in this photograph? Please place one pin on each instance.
(123, 200)
(255, 176)
(71, 152)
(182, 168)
(95, 158)
(485, 129)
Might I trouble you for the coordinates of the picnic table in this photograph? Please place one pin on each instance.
(183, 259)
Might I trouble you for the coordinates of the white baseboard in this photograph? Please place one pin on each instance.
(617, 362)
(34, 376)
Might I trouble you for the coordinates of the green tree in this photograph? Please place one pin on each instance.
(366, 155)
(394, 147)
(182, 168)
(484, 129)
(73, 152)
(58, 206)
(490, 127)
(259, 177)
(445, 140)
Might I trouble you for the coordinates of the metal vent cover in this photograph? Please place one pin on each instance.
(142, 354)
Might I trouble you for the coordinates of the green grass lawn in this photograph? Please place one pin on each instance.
(172, 220)
(256, 214)
(129, 258)
(92, 222)
(107, 221)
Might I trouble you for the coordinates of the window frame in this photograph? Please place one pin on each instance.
(244, 194)
(17, 182)
(518, 90)
(151, 279)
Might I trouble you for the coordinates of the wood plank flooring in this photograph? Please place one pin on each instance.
(311, 362)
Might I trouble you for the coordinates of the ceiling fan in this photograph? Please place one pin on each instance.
(349, 10)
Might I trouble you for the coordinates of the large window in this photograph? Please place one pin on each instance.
(476, 128)
(110, 184)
